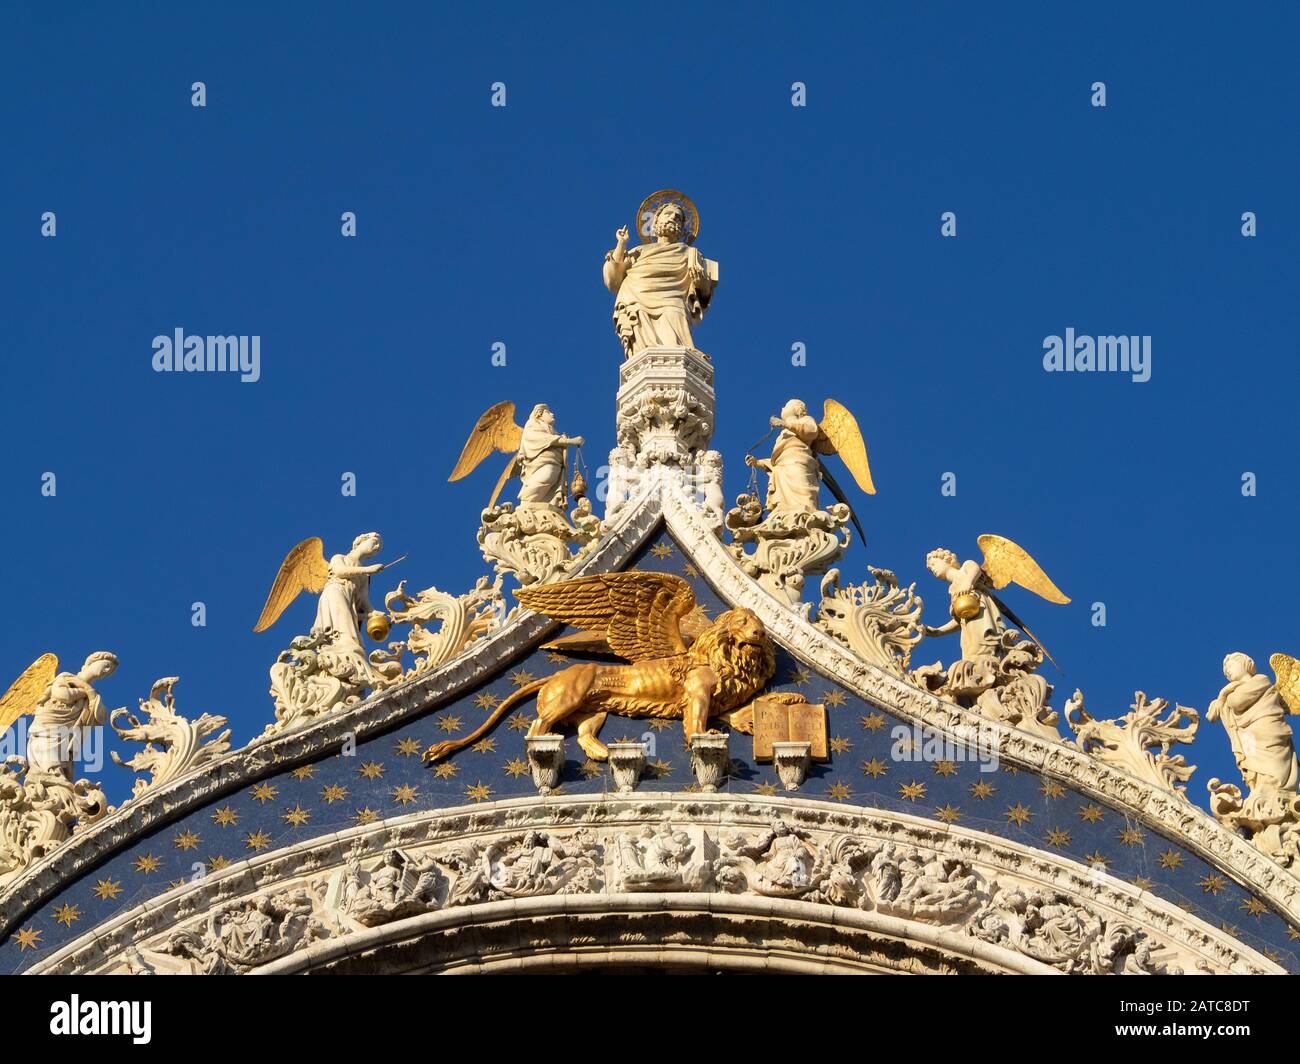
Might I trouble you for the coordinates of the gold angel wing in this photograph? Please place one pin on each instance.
(1006, 562)
(840, 435)
(25, 692)
(495, 431)
(303, 569)
(1286, 671)
(638, 614)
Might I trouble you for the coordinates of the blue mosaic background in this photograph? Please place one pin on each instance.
(385, 777)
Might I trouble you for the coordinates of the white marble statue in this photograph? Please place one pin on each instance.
(662, 288)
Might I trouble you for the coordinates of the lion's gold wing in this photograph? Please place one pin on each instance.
(1006, 562)
(25, 692)
(639, 614)
(303, 569)
(840, 435)
(495, 431)
(1286, 672)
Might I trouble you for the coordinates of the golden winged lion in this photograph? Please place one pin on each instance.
(640, 617)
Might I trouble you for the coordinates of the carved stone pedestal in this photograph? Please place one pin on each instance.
(546, 759)
(665, 420)
(792, 761)
(627, 762)
(710, 759)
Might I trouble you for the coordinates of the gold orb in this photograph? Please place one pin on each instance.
(966, 605)
(377, 626)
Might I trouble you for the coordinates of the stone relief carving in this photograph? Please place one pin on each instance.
(1139, 741)
(879, 622)
(395, 888)
(244, 934)
(659, 858)
(183, 744)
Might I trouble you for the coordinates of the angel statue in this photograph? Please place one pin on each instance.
(1253, 711)
(996, 668)
(531, 542)
(795, 473)
(538, 454)
(61, 704)
(662, 287)
(797, 537)
(330, 665)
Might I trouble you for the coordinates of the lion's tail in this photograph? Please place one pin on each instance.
(449, 746)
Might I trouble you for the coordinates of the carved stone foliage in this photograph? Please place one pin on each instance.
(39, 811)
(1139, 741)
(1024, 904)
(879, 622)
(441, 624)
(787, 546)
(182, 745)
(308, 681)
(532, 543)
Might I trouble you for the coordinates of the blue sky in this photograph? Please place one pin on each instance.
(479, 224)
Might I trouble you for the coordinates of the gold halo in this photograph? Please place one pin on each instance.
(646, 212)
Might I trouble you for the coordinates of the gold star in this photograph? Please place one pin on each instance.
(834, 698)
(911, 791)
(840, 745)
(1018, 815)
(1052, 789)
(517, 767)
(1130, 837)
(404, 794)
(1090, 813)
(67, 915)
(478, 792)
(521, 678)
(981, 790)
(216, 864)
(449, 723)
(1272, 955)
(108, 889)
(28, 938)
(1098, 860)
(555, 657)
(371, 770)
(186, 840)
(263, 792)
(1292, 934)
(839, 791)
(365, 816)
(661, 550)
(485, 746)
(518, 722)
(1212, 884)
(873, 721)
(333, 793)
(766, 788)
(1058, 837)
(945, 768)
(949, 813)
(1230, 929)
(408, 747)
(257, 840)
(1142, 883)
(297, 816)
(799, 676)
(225, 816)
(660, 768)
(875, 768)
(1255, 907)
(303, 772)
(591, 769)
(659, 723)
(1010, 769)
(690, 570)
(485, 700)
(1171, 859)
(446, 770)
(147, 863)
